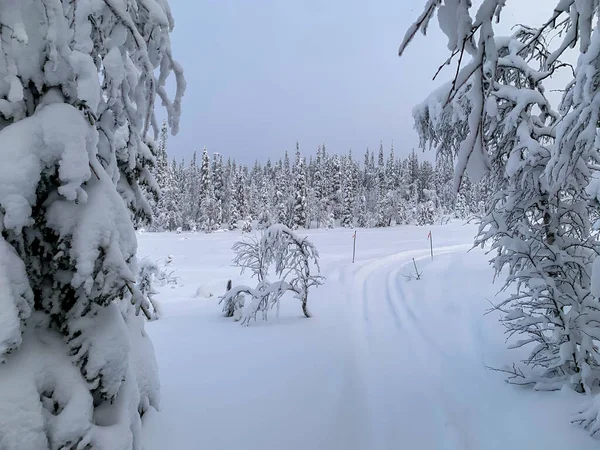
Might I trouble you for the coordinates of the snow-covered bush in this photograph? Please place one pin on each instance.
(295, 262)
(148, 275)
(264, 219)
(425, 213)
(77, 92)
(232, 305)
(330, 220)
(247, 225)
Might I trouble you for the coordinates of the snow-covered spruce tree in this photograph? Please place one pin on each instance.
(79, 81)
(320, 190)
(300, 207)
(174, 197)
(381, 172)
(205, 176)
(237, 211)
(218, 185)
(265, 219)
(362, 219)
(280, 212)
(347, 219)
(209, 211)
(495, 115)
(162, 176)
(334, 174)
(444, 174)
(295, 262)
(190, 192)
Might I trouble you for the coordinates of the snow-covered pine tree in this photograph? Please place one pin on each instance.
(238, 201)
(320, 190)
(209, 209)
(413, 176)
(330, 220)
(218, 185)
(444, 174)
(347, 219)
(391, 174)
(334, 174)
(426, 180)
(205, 176)
(255, 194)
(265, 219)
(174, 197)
(300, 207)
(362, 219)
(78, 92)
(162, 176)
(190, 193)
(280, 195)
(381, 175)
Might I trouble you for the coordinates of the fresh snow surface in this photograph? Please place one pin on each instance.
(386, 362)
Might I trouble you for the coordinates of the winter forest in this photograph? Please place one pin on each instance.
(166, 282)
(325, 191)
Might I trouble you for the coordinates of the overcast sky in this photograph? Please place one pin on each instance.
(262, 74)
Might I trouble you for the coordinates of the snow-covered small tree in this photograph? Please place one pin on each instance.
(148, 272)
(247, 225)
(330, 220)
(294, 260)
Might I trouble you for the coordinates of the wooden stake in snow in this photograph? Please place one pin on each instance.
(416, 270)
(430, 243)
(354, 246)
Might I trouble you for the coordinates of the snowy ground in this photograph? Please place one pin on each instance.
(385, 363)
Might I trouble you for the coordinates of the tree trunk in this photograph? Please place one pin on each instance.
(304, 306)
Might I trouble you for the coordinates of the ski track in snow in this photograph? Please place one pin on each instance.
(392, 333)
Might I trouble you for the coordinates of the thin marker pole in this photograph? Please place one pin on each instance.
(431, 243)
(354, 247)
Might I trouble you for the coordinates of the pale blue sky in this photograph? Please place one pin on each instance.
(262, 74)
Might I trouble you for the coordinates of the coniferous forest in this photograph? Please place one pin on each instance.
(324, 191)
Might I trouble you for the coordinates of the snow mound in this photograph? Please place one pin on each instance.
(204, 292)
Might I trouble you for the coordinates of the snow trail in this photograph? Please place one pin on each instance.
(384, 363)
(393, 355)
